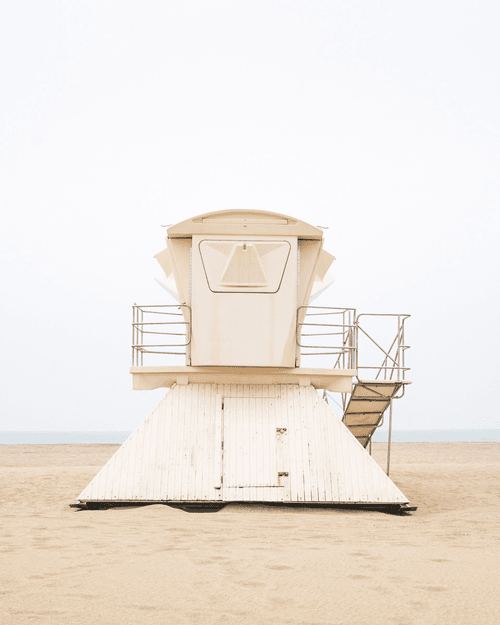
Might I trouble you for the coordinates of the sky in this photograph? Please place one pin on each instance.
(379, 120)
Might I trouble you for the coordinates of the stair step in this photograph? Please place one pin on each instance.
(367, 404)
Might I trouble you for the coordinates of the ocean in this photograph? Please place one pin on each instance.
(118, 437)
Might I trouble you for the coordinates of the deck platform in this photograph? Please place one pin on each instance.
(151, 377)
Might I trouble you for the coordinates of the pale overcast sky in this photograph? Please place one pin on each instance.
(377, 119)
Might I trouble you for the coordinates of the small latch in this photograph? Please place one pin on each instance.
(283, 474)
(280, 430)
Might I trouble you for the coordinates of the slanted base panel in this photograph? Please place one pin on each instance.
(241, 442)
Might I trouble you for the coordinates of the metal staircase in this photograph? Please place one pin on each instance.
(367, 404)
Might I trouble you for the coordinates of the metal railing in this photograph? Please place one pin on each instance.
(338, 324)
(157, 320)
(393, 357)
(321, 331)
(351, 342)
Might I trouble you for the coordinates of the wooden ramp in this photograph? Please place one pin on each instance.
(367, 404)
(221, 443)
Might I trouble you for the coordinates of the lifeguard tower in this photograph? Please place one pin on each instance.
(243, 419)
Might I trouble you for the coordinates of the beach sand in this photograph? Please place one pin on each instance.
(252, 564)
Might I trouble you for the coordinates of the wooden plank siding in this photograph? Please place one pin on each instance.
(242, 442)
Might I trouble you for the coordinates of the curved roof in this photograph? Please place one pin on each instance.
(235, 222)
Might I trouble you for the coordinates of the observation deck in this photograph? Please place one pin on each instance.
(361, 356)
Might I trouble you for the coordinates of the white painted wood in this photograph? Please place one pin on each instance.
(177, 455)
(255, 455)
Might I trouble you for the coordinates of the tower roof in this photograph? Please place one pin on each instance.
(236, 222)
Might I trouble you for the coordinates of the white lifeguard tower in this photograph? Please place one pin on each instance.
(243, 419)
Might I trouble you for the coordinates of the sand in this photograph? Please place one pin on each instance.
(252, 564)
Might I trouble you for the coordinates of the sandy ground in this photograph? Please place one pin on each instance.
(252, 564)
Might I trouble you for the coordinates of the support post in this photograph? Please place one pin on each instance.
(389, 438)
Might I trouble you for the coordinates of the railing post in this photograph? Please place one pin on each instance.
(389, 438)
(133, 328)
(356, 344)
(142, 336)
(399, 349)
(297, 337)
(402, 345)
